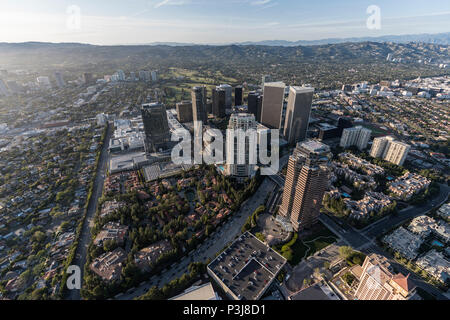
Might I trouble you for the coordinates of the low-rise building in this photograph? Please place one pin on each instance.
(146, 257)
(408, 185)
(436, 265)
(372, 202)
(355, 162)
(109, 265)
(109, 207)
(404, 242)
(112, 231)
(196, 293)
(424, 226)
(444, 211)
(246, 269)
(315, 292)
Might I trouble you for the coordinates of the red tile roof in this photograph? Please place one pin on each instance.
(404, 282)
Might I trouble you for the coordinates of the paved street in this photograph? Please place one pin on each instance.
(381, 226)
(208, 249)
(85, 237)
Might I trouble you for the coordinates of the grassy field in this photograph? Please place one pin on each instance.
(179, 83)
(377, 131)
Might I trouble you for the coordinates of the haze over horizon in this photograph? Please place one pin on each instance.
(212, 21)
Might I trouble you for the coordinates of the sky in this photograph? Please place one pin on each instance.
(111, 22)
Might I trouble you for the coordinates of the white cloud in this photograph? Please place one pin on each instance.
(171, 3)
(260, 2)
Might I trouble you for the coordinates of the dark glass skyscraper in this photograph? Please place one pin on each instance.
(218, 103)
(255, 104)
(156, 126)
(238, 96)
(199, 104)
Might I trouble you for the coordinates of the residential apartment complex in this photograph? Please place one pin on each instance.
(408, 185)
(378, 281)
(357, 136)
(390, 150)
(241, 148)
(306, 181)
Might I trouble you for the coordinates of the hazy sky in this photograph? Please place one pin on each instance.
(212, 21)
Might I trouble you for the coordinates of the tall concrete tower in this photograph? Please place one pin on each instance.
(306, 181)
(297, 114)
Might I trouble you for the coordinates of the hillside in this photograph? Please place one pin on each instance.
(321, 65)
(29, 54)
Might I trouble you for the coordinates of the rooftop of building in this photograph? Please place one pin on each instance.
(277, 84)
(243, 115)
(152, 105)
(315, 292)
(314, 146)
(247, 267)
(404, 282)
(302, 89)
(202, 292)
(326, 126)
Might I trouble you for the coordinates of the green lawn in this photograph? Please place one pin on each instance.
(321, 238)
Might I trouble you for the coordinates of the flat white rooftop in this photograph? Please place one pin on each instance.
(302, 89)
(277, 84)
(203, 292)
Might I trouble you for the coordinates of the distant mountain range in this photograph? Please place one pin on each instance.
(75, 54)
(439, 38)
